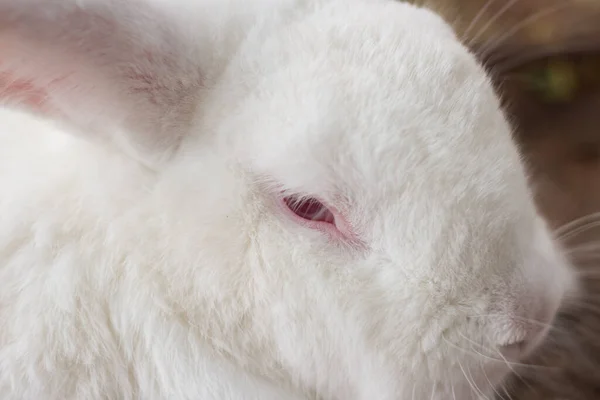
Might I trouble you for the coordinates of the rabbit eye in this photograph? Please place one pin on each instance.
(310, 209)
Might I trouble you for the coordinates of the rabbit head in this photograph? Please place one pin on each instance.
(334, 199)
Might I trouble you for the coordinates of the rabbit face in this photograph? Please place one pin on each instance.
(386, 215)
(340, 206)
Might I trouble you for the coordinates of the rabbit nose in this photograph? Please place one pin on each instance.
(525, 331)
(523, 341)
(519, 347)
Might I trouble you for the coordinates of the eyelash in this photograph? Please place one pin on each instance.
(316, 214)
(310, 209)
(312, 213)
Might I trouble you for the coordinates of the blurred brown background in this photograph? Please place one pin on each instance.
(544, 56)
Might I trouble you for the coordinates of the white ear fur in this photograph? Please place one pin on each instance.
(117, 70)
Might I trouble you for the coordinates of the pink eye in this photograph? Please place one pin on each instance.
(312, 213)
(310, 209)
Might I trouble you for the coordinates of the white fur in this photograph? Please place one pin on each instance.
(153, 263)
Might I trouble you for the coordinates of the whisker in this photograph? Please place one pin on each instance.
(578, 230)
(590, 247)
(549, 326)
(584, 219)
(473, 388)
(492, 20)
(490, 382)
(476, 19)
(515, 373)
(475, 353)
(505, 390)
(478, 388)
(492, 46)
(587, 304)
(503, 359)
(506, 61)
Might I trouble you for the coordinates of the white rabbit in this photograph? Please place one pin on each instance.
(160, 233)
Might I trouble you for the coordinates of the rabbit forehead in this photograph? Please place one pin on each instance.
(360, 106)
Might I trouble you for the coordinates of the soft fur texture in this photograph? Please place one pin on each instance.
(143, 250)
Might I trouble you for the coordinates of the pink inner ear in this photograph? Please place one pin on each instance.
(23, 91)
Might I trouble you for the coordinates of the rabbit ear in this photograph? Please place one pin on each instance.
(117, 70)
